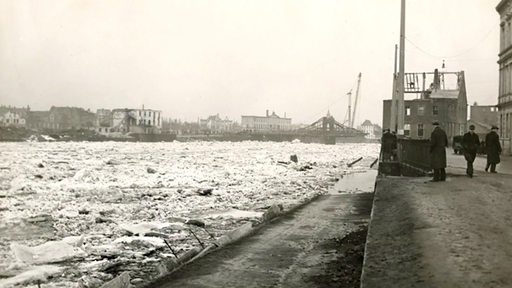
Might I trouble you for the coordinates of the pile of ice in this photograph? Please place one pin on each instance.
(83, 210)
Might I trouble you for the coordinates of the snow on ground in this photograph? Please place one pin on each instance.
(120, 200)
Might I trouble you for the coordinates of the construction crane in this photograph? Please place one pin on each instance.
(355, 101)
(352, 113)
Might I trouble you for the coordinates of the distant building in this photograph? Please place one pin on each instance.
(483, 117)
(504, 8)
(270, 122)
(13, 117)
(214, 124)
(372, 131)
(39, 120)
(104, 120)
(63, 118)
(487, 115)
(444, 100)
(145, 121)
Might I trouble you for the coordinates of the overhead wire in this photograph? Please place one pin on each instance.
(452, 57)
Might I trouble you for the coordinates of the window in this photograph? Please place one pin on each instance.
(407, 111)
(435, 110)
(421, 110)
(420, 130)
(407, 129)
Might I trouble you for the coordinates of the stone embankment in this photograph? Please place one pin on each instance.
(315, 245)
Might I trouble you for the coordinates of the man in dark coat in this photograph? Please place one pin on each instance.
(470, 143)
(388, 145)
(438, 144)
(493, 149)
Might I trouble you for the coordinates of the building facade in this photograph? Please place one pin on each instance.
(483, 118)
(372, 131)
(63, 118)
(504, 8)
(441, 101)
(270, 122)
(214, 124)
(485, 115)
(145, 121)
(13, 117)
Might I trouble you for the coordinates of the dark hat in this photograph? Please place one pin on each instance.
(435, 122)
(471, 127)
(494, 127)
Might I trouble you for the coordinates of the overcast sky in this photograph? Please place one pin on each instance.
(195, 58)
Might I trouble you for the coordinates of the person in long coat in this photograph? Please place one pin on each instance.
(438, 144)
(493, 149)
(470, 144)
(388, 145)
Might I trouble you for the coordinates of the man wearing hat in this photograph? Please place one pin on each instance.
(388, 144)
(438, 144)
(470, 143)
(493, 149)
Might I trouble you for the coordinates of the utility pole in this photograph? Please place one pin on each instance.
(400, 108)
(392, 124)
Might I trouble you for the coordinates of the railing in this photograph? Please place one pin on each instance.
(411, 158)
(414, 156)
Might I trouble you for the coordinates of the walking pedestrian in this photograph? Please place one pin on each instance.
(493, 149)
(470, 143)
(438, 144)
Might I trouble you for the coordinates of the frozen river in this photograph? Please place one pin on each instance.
(104, 205)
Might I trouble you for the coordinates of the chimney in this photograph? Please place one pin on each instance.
(267, 112)
(437, 80)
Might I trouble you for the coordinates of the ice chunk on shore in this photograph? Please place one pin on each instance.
(235, 213)
(49, 252)
(143, 228)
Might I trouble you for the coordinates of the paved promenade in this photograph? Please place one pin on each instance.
(456, 233)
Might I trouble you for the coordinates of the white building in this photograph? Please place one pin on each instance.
(10, 118)
(372, 131)
(146, 121)
(270, 122)
(215, 124)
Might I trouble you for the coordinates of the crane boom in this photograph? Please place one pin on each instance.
(349, 107)
(355, 101)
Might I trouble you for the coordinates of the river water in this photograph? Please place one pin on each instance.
(104, 191)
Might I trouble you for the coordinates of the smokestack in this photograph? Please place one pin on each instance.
(267, 112)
